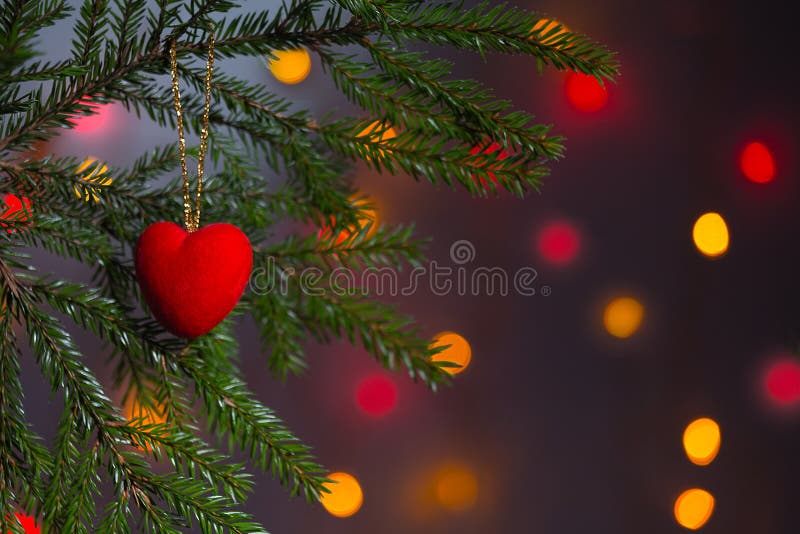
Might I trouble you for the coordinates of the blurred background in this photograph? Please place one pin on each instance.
(574, 412)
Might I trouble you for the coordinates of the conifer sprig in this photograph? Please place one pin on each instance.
(118, 53)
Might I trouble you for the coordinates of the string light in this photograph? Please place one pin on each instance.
(290, 66)
(757, 163)
(585, 93)
(97, 178)
(558, 242)
(376, 395)
(456, 488)
(710, 234)
(701, 441)
(623, 316)
(458, 352)
(345, 497)
(693, 508)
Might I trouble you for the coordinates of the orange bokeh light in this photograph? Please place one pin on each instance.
(757, 163)
(456, 488)
(290, 66)
(143, 414)
(345, 497)
(701, 441)
(366, 216)
(97, 178)
(378, 132)
(585, 93)
(545, 26)
(623, 316)
(693, 508)
(458, 351)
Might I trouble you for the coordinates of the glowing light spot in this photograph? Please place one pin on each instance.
(693, 508)
(376, 395)
(290, 66)
(378, 132)
(491, 149)
(103, 115)
(458, 352)
(558, 242)
(28, 524)
(456, 488)
(97, 178)
(365, 216)
(757, 163)
(585, 93)
(623, 317)
(710, 234)
(782, 381)
(143, 415)
(17, 210)
(701, 441)
(345, 497)
(545, 26)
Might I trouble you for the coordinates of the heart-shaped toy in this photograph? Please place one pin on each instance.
(191, 281)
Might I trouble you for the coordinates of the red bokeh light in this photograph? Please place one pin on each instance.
(782, 381)
(558, 242)
(376, 395)
(13, 206)
(491, 149)
(585, 93)
(28, 523)
(757, 163)
(100, 120)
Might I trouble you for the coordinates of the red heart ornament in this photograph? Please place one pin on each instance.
(191, 281)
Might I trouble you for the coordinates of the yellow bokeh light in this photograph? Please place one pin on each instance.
(623, 317)
(545, 26)
(290, 66)
(458, 352)
(456, 488)
(97, 178)
(693, 508)
(143, 414)
(701, 441)
(345, 497)
(372, 131)
(710, 234)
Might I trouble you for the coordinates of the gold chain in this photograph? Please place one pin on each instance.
(191, 218)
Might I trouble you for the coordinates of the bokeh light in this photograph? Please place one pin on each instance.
(456, 488)
(378, 132)
(757, 163)
(623, 316)
(782, 381)
(28, 523)
(290, 66)
(558, 242)
(585, 93)
(710, 234)
(15, 209)
(97, 178)
(693, 508)
(366, 215)
(458, 351)
(491, 149)
(376, 395)
(345, 497)
(143, 414)
(103, 117)
(545, 26)
(701, 441)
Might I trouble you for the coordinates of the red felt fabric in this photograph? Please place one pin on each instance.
(191, 281)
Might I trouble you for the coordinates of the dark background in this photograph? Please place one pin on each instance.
(566, 429)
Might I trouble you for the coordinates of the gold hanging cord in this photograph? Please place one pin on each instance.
(191, 216)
